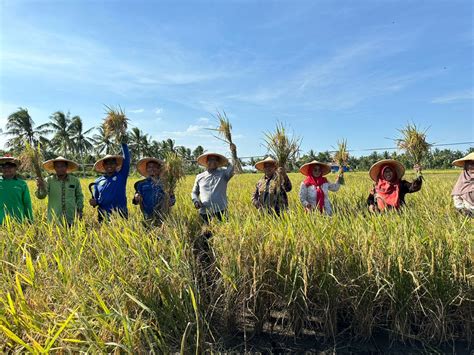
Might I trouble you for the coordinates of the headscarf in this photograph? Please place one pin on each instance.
(464, 187)
(317, 182)
(387, 192)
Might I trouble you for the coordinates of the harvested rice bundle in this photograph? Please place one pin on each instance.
(115, 124)
(284, 148)
(31, 159)
(172, 174)
(341, 157)
(413, 142)
(225, 131)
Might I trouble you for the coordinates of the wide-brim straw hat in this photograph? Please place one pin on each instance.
(462, 161)
(375, 169)
(261, 164)
(202, 159)
(307, 168)
(71, 165)
(99, 164)
(141, 165)
(4, 160)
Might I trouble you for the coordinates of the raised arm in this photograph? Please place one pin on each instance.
(414, 186)
(229, 171)
(126, 160)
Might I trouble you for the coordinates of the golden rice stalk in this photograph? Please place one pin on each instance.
(341, 157)
(115, 123)
(284, 148)
(413, 142)
(173, 171)
(31, 159)
(225, 131)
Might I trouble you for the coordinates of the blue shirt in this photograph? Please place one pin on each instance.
(153, 195)
(110, 191)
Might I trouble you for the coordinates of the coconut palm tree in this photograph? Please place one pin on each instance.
(102, 142)
(80, 141)
(20, 126)
(136, 139)
(61, 126)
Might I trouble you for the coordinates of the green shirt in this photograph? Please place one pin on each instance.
(65, 197)
(15, 200)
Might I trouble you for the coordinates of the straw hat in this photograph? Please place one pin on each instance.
(202, 159)
(99, 164)
(71, 165)
(462, 161)
(141, 165)
(260, 165)
(4, 160)
(375, 169)
(308, 167)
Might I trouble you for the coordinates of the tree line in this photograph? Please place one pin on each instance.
(65, 135)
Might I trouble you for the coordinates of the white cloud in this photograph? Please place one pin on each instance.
(203, 119)
(158, 111)
(454, 97)
(139, 110)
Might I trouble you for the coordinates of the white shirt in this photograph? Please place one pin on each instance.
(308, 195)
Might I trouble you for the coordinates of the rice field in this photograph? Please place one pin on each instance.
(122, 288)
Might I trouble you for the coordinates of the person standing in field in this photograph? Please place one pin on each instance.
(110, 189)
(463, 191)
(389, 189)
(271, 190)
(209, 194)
(150, 193)
(15, 200)
(314, 190)
(64, 192)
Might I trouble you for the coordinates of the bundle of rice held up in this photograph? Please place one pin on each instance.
(225, 131)
(341, 157)
(115, 123)
(31, 159)
(413, 142)
(173, 172)
(285, 149)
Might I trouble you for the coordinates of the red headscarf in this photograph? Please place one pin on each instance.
(387, 192)
(317, 182)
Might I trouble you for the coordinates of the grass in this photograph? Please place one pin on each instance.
(122, 288)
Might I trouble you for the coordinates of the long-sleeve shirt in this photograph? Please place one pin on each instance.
(15, 200)
(270, 196)
(308, 195)
(65, 197)
(405, 188)
(153, 196)
(462, 204)
(210, 188)
(110, 191)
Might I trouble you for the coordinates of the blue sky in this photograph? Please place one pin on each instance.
(326, 69)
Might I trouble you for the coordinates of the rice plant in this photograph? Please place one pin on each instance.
(413, 142)
(119, 287)
(225, 131)
(115, 123)
(31, 159)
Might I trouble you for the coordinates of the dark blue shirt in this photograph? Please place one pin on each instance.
(110, 191)
(153, 195)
